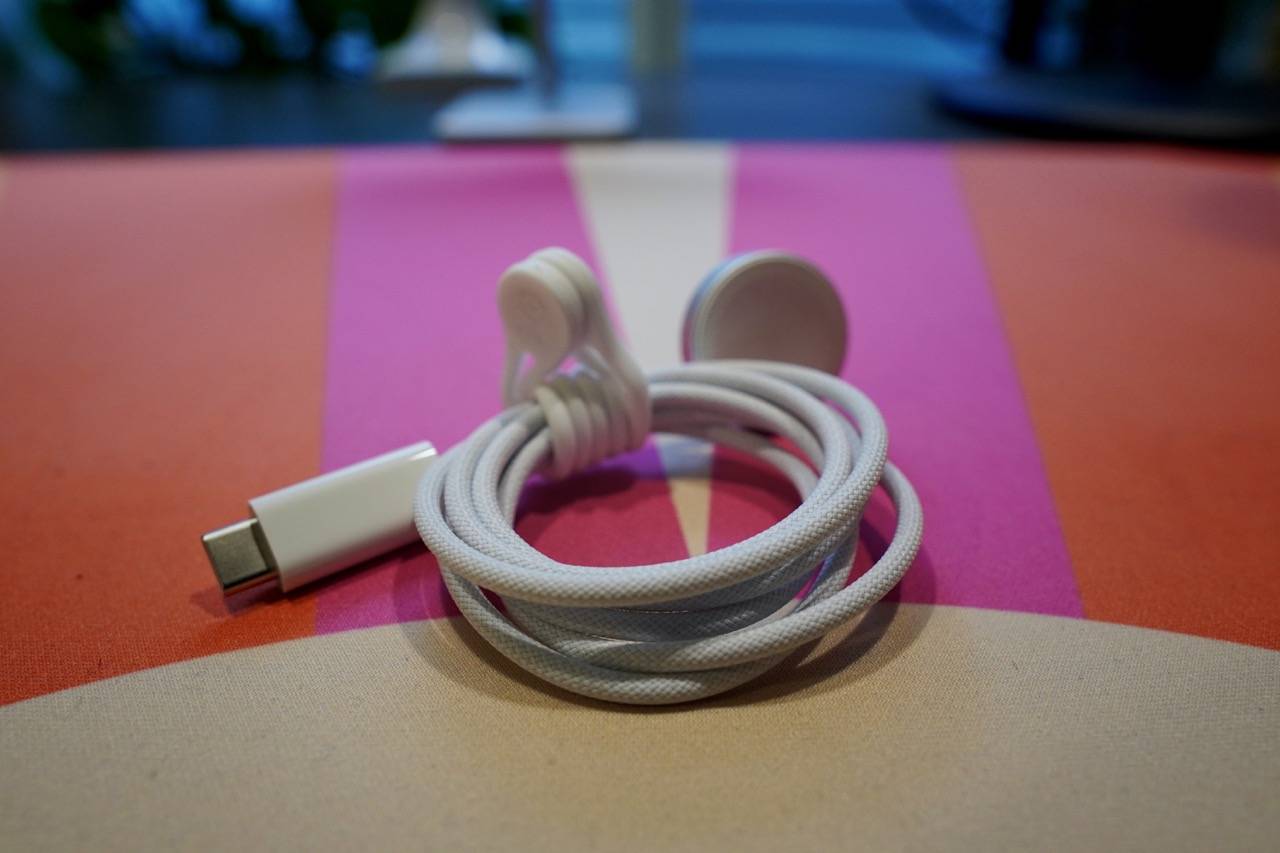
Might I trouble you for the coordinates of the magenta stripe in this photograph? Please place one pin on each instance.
(889, 225)
(416, 346)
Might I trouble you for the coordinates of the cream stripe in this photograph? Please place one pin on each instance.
(959, 729)
(688, 466)
(658, 214)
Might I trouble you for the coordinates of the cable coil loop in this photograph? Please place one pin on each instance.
(587, 420)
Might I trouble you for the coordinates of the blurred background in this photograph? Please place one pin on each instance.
(78, 74)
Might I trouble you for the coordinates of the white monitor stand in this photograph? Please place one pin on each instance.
(545, 108)
(454, 40)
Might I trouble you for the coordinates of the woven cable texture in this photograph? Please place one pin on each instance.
(686, 629)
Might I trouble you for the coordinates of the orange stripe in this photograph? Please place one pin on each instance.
(162, 359)
(1141, 291)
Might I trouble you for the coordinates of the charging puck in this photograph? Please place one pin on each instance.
(767, 305)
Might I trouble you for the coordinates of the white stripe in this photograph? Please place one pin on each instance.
(658, 214)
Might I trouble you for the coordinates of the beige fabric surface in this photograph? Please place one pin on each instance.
(961, 729)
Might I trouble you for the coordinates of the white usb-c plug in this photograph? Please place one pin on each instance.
(312, 529)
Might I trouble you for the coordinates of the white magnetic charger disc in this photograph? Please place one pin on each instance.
(767, 305)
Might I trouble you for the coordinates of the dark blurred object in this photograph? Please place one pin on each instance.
(1203, 72)
(971, 19)
(741, 69)
(62, 42)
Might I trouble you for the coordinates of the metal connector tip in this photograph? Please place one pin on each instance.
(240, 556)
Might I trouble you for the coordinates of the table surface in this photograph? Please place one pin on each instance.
(1075, 349)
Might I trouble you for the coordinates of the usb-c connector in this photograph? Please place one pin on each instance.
(323, 525)
(240, 556)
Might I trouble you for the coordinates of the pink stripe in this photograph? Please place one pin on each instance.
(416, 346)
(888, 224)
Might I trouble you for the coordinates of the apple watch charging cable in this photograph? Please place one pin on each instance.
(653, 634)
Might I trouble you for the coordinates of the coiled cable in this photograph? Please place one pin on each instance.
(687, 629)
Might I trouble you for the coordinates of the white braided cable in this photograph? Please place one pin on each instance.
(687, 629)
